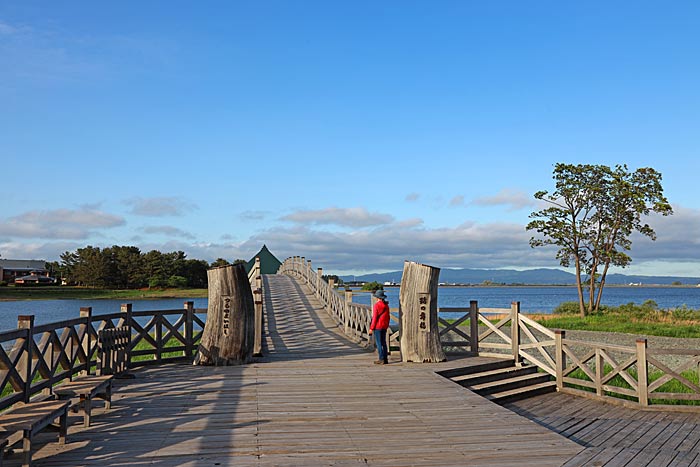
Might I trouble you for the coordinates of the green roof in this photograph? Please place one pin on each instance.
(268, 263)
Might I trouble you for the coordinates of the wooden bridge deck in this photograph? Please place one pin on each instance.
(313, 400)
(617, 436)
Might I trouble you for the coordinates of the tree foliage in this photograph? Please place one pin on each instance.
(592, 213)
(126, 267)
(372, 286)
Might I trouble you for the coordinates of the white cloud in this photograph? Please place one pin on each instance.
(159, 206)
(72, 224)
(676, 238)
(412, 197)
(253, 215)
(345, 217)
(50, 251)
(167, 230)
(457, 201)
(506, 197)
(385, 247)
(7, 30)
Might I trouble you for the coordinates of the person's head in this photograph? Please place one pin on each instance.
(380, 294)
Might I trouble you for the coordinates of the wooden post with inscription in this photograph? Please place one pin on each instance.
(229, 332)
(420, 337)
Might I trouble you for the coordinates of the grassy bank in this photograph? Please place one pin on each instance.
(645, 319)
(86, 293)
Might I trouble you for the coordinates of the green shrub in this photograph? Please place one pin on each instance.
(567, 308)
(177, 282)
(372, 286)
(157, 281)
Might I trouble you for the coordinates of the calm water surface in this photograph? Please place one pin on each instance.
(532, 300)
(49, 311)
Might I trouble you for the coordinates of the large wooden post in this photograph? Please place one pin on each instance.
(229, 332)
(420, 338)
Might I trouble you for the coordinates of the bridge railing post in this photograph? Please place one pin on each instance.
(642, 373)
(560, 357)
(474, 326)
(126, 310)
(25, 363)
(515, 331)
(86, 312)
(257, 343)
(189, 329)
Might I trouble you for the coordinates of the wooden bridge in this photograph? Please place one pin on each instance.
(315, 399)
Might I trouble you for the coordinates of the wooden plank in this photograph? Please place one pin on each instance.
(309, 402)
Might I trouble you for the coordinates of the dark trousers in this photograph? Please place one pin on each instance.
(380, 340)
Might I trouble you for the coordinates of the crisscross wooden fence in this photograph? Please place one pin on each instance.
(353, 318)
(637, 375)
(34, 358)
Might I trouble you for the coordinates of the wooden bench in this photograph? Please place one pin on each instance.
(85, 389)
(114, 351)
(29, 419)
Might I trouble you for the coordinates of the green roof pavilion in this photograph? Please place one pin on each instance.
(269, 264)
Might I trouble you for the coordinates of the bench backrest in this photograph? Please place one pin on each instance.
(114, 350)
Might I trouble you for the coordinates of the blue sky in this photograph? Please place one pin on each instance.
(358, 134)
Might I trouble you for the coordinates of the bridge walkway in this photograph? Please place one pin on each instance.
(615, 435)
(314, 400)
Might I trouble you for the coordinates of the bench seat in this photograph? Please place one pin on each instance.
(85, 389)
(29, 419)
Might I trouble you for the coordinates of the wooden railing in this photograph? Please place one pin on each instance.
(34, 358)
(256, 284)
(353, 318)
(634, 375)
(631, 375)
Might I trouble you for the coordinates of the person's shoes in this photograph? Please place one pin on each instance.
(386, 361)
(380, 362)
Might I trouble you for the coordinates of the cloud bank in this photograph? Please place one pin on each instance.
(159, 206)
(72, 224)
(344, 217)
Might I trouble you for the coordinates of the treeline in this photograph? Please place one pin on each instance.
(126, 267)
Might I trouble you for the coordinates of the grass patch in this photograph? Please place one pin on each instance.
(645, 319)
(673, 386)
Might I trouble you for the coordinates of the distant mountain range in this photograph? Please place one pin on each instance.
(542, 276)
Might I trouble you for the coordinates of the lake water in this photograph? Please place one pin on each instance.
(532, 300)
(49, 311)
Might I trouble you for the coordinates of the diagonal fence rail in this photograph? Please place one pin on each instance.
(35, 358)
(630, 375)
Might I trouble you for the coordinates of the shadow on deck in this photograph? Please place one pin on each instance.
(314, 399)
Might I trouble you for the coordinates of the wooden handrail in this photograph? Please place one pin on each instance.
(33, 359)
(352, 318)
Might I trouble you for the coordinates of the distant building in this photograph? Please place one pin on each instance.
(34, 279)
(12, 269)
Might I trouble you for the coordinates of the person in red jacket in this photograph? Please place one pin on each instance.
(379, 325)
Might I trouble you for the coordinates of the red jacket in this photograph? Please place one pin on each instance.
(380, 316)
